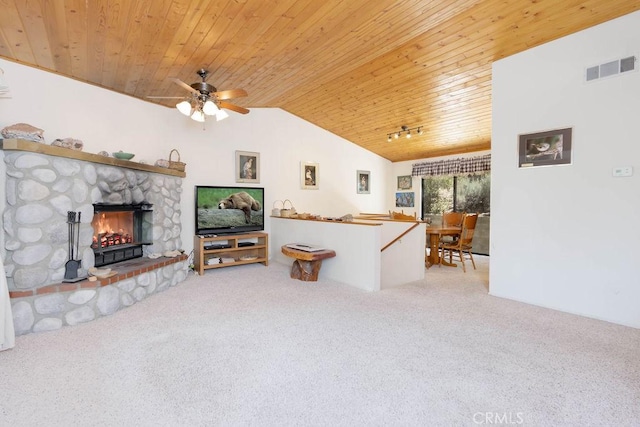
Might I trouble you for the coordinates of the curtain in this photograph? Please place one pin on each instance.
(7, 333)
(460, 166)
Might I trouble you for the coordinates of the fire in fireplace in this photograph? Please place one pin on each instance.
(112, 228)
(120, 231)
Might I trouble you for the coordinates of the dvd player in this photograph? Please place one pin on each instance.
(217, 246)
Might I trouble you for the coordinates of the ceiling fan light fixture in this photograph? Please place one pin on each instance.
(389, 138)
(198, 116)
(221, 115)
(204, 100)
(184, 107)
(210, 108)
(408, 134)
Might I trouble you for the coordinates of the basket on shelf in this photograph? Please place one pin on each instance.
(287, 212)
(173, 164)
(276, 211)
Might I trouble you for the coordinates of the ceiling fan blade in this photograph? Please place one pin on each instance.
(165, 97)
(233, 107)
(183, 84)
(232, 93)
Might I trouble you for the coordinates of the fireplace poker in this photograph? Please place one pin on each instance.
(71, 267)
(70, 234)
(77, 225)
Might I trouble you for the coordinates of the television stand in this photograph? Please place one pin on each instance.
(228, 250)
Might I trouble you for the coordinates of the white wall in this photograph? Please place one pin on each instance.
(357, 262)
(109, 121)
(566, 237)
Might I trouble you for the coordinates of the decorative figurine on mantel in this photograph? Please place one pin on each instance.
(72, 144)
(23, 131)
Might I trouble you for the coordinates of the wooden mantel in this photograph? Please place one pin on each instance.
(52, 150)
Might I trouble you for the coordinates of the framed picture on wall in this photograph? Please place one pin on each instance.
(404, 182)
(547, 148)
(363, 182)
(309, 175)
(247, 167)
(405, 200)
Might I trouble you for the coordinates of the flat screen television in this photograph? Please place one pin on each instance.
(228, 210)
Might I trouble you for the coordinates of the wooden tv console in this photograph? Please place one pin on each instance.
(227, 247)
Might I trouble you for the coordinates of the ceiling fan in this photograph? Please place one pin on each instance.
(205, 100)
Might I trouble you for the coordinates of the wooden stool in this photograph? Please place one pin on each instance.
(307, 264)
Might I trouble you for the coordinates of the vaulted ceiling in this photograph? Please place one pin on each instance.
(360, 69)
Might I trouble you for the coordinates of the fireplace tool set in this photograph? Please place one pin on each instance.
(72, 266)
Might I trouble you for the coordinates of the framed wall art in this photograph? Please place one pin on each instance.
(363, 182)
(547, 148)
(309, 175)
(247, 167)
(405, 200)
(404, 182)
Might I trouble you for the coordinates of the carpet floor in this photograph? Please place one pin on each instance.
(247, 345)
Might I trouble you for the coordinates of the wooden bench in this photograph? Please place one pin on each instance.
(306, 265)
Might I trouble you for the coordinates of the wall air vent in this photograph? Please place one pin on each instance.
(611, 68)
(627, 64)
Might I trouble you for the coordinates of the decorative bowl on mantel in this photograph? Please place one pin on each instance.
(123, 156)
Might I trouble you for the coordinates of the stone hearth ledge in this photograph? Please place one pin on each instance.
(67, 304)
(124, 270)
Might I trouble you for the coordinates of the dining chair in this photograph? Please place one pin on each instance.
(463, 243)
(451, 219)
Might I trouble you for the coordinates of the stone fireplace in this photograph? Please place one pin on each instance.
(142, 205)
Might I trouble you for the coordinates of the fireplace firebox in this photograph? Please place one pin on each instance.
(120, 232)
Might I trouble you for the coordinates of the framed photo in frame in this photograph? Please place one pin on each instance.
(247, 167)
(405, 200)
(547, 148)
(405, 182)
(309, 175)
(363, 182)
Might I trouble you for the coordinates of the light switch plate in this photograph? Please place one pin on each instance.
(623, 171)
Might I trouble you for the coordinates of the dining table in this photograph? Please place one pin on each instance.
(434, 233)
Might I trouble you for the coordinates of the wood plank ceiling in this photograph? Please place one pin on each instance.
(358, 68)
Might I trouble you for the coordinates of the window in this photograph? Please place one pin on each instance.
(464, 193)
(462, 184)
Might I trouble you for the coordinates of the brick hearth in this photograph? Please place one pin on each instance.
(125, 270)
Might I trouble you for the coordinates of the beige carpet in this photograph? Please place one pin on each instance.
(249, 346)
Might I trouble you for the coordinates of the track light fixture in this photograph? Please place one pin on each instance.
(404, 130)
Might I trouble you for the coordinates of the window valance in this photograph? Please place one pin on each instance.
(460, 166)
